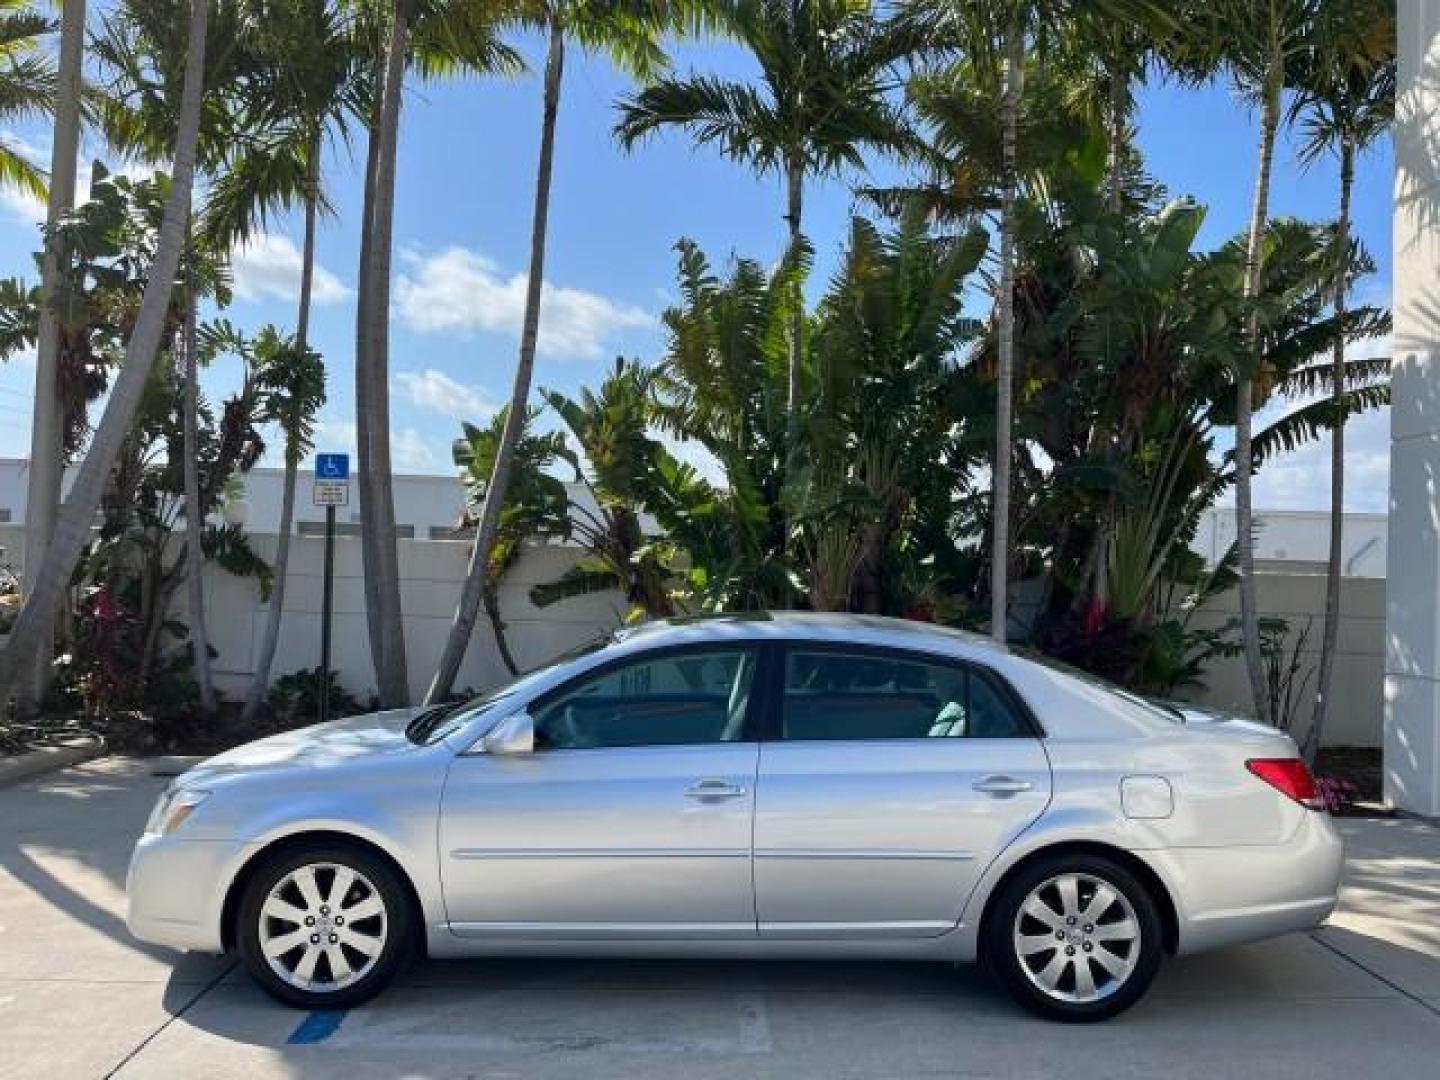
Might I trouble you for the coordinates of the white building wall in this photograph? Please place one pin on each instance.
(431, 574)
(1291, 554)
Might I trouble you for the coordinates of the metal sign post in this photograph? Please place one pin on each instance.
(331, 488)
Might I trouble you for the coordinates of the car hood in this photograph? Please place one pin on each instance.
(319, 746)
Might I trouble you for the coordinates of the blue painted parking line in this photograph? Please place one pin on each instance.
(317, 1027)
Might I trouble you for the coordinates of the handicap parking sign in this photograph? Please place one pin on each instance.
(332, 466)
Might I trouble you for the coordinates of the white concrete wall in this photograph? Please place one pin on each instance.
(1356, 693)
(1299, 540)
(431, 573)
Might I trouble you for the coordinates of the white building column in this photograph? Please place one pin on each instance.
(1412, 594)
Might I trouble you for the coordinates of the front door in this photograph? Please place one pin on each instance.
(893, 781)
(632, 817)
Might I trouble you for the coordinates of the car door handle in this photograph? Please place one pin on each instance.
(714, 789)
(1002, 785)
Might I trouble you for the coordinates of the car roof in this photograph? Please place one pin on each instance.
(819, 626)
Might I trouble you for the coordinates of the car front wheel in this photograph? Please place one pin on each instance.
(324, 926)
(1075, 938)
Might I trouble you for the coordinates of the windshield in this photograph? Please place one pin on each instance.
(432, 725)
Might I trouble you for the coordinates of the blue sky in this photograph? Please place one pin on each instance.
(466, 171)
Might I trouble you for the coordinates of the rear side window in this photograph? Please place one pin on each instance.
(832, 694)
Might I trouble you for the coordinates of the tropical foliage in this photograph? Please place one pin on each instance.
(1023, 384)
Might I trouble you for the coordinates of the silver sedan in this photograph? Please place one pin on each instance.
(764, 786)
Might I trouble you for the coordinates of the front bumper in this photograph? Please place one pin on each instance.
(176, 890)
(1237, 894)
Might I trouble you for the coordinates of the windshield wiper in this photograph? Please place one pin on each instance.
(423, 725)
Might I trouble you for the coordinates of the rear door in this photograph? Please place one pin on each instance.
(888, 782)
(630, 819)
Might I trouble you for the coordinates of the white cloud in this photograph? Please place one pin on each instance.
(269, 266)
(1301, 480)
(457, 289)
(439, 393)
(409, 450)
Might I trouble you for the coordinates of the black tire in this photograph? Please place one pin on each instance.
(398, 921)
(1001, 953)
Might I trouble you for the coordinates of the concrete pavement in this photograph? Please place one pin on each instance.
(79, 998)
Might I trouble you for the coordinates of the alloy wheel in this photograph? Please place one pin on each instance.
(1077, 938)
(323, 927)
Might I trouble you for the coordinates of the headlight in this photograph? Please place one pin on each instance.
(172, 810)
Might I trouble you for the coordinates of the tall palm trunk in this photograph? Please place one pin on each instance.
(497, 624)
(194, 511)
(1244, 404)
(795, 196)
(1331, 630)
(260, 683)
(47, 466)
(377, 501)
(1005, 319)
(77, 515)
(362, 392)
(463, 624)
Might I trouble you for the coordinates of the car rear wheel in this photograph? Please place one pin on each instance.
(1075, 938)
(324, 926)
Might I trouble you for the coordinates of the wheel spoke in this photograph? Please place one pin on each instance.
(1040, 911)
(304, 879)
(344, 878)
(276, 908)
(1084, 979)
(1069, 889)
(339, 965)
(305, 969)
(284, 943)
(1030, 944)
(367, 908)
(1115, 966)
(1101, 902)
(1124, 930)
(369, 944)
(1049, 975)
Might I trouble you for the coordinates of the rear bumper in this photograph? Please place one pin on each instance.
(1236, 894)
(176, 890)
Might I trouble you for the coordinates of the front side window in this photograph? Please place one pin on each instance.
(838, 694)
(673, 699)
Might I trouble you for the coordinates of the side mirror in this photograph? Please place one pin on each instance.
(513, 735)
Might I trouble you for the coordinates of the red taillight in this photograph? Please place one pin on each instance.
(1290, 777)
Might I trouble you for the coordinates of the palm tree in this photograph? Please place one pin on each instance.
(1346, 101)
(372, 398)
(824, 93)
(194, 509)
(537, 504)
(27, 81)
(72, 529)
(1256, 42)
(626, 30)
(42, 499)
(141, 49)
(292, 380)
(994, 42)
(311, 84)
(439, 37)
